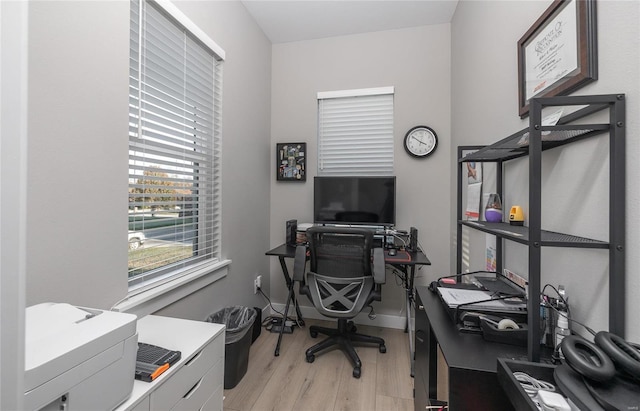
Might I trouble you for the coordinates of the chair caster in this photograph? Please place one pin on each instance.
(313, 333)
(311, 358)
(356, 372)
(382, 348)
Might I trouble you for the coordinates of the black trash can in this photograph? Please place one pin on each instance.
(238, 321)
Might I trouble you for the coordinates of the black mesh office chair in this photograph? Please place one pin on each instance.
(346, 275)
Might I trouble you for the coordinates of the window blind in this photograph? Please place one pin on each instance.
(174, 145)
(355, 133)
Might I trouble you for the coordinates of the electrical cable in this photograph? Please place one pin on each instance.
(404, 242)
(268, 320)
(532, 385)
(571, 320)
(564, 301)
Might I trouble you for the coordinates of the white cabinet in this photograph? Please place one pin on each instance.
(193, 383)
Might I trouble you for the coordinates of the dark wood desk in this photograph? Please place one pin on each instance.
(405, 262)
(471, 361)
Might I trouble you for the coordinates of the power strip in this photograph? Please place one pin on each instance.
(276, 329)
(276, 323)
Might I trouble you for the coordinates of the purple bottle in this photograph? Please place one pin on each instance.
(493, 209)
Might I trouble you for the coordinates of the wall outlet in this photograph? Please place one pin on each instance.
(257, 283)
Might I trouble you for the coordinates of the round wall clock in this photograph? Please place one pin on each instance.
(420, 141)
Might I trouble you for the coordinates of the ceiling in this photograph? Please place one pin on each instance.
(297, 20)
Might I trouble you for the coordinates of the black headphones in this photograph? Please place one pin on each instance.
(598, 361)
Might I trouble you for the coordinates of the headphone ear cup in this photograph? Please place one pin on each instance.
(587, 359)
(623, 354)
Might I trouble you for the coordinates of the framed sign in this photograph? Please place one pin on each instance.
(290, 161)
(558, 54)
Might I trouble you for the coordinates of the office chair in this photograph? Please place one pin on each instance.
(346, 274)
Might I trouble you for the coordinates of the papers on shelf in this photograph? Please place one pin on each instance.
(454, 297)
(548, 120)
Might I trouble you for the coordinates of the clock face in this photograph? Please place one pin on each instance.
(420, 141)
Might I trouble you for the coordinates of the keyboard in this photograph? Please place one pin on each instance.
(152, 361)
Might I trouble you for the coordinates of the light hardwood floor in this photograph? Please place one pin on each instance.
(288, 382)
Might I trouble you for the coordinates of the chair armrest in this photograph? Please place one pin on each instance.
(379, 275)
(300, 263)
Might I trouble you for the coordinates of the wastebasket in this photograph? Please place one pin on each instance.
(238, 321)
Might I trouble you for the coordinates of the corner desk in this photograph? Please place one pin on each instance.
(405, 262)
(471, 361)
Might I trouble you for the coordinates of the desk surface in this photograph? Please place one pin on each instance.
(464, 350)
(415, 257)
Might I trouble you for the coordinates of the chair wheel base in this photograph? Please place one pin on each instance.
(356, 372)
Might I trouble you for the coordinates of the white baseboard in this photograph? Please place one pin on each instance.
(381, 320)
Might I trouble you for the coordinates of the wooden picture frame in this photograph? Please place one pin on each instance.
(291, 161)
(558, 54)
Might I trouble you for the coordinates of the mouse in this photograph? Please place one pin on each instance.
(392, 252)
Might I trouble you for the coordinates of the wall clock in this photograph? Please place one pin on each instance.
(420, 141)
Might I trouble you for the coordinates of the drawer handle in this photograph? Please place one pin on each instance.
(421, 307)
(193, 359)
(193, 389)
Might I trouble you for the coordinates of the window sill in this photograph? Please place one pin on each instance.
(154, 299)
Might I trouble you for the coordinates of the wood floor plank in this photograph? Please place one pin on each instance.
(357, 394)
(320, 386)
(384, 403)
(262, 364)
(289, 383)
(393, 369)
(280, 392)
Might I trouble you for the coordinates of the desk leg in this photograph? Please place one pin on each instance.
(291, 298)
(284, 320)
(409, 274)
(292, 294)
(432, 365)
(409, 298)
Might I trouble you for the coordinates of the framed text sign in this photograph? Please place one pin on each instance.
(290, 161)
(558, 54)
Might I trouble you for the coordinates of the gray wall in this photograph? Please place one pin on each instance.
(77, 154)
(459, 78)
(416, 62)
(575, 178)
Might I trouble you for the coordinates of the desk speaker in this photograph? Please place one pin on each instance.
(291, 228)
(413, 239)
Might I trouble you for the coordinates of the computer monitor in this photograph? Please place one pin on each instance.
(355, 200)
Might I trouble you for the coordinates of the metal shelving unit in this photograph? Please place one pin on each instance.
(531, 142)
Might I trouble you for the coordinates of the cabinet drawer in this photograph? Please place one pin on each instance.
(184, 379)
(142, 406)
(214, 403)
(197, 396)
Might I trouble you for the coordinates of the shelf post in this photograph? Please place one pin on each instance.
(535, 225)
(617, 216)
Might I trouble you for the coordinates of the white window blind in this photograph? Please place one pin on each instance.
(174, 145)
(355, 132)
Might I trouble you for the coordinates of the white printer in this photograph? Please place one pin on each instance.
(78, 358)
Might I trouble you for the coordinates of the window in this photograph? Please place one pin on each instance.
(355, 132)
(175, 87)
